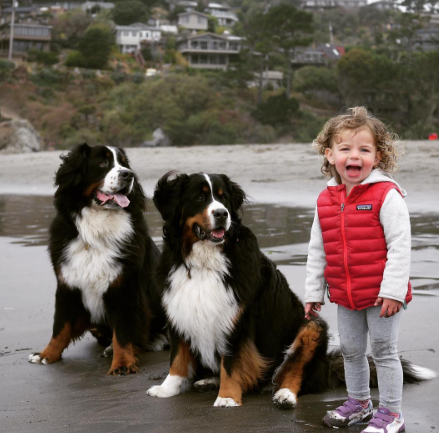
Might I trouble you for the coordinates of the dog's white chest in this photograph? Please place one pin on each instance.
(90, 261)
(201, 307)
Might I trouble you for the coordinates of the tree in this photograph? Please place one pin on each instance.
(403, 35)
(95, 47)
(291, 28)
(258, 34)
(68, 28)
(418, 6)
(130, 12)
(277, 110)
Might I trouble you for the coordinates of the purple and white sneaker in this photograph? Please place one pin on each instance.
(384, 422)
(350, 413)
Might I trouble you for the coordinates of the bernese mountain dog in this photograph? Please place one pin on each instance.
(233, 321)
(104, 259)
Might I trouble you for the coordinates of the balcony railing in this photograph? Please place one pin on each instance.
(209, 47)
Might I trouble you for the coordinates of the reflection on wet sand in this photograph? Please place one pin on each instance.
(282, 232)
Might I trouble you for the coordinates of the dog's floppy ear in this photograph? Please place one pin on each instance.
(167, 194)
(72, 168)
(126, 162)
(237, 195)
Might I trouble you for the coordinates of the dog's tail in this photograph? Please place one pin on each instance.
(412, 373)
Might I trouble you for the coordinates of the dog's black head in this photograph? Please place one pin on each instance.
(198, 208)
(99, 175)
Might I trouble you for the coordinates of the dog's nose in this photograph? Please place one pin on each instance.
(126, 175)
(220, 214)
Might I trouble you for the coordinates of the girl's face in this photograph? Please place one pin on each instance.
(354, 154)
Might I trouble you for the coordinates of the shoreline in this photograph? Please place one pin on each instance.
(284, 174)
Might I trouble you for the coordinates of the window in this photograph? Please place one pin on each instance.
(201, 20)
(134, 33)
(126, 33)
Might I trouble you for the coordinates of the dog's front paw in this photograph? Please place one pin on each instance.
(209, 384)
(123, 370)
(161, 392)
(225, 402)
(35, 358)
(285, 399)
(43, 358)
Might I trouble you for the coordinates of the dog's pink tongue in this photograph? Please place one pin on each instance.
(121, 200)
(103, 197)
(218, 233)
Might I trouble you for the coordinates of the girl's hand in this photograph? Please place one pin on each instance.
(311, 309)
(389, 306)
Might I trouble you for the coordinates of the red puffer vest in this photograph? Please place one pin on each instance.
(354, 243)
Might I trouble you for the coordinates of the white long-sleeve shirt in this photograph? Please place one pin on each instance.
(395, 219)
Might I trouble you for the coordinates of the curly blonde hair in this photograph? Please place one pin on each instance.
(358, 118)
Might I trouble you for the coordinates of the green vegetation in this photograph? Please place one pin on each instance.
(121, 106)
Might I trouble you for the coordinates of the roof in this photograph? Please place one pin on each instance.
(330, 51)
(187, 3)
(138, 26)
(225, 37)
(217, 6)
(193, 13)
(20, 10)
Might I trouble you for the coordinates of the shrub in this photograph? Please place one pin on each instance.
(95, 47)
(75, 59)
(5, 69)
(119, 77)
(277, 110)
(44, 57)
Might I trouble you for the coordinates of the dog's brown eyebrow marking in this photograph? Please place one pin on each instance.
(205, 188)
(220, 192)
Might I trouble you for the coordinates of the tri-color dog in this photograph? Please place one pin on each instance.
(104, 259)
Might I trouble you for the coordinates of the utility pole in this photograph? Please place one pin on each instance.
(331, 36)
(11, 37)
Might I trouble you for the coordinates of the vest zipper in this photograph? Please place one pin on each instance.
(345, 253)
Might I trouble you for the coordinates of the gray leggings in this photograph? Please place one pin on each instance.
(353, 327)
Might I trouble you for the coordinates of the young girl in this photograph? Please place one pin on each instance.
(360, 252)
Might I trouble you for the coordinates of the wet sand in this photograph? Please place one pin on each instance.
(75, 395)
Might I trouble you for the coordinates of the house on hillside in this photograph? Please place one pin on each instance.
(129, 38)
(383, 5)
(211, 8)
(187, 5)
(21, 13)
(193, 20)
(426, 40)
(225, 19)
(210, 51)
(89, 5)
(320, 56)
(329, 4)
(27, 36)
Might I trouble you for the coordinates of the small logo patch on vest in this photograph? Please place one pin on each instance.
(364, 207)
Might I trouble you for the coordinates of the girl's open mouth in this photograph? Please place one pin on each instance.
(353, 170)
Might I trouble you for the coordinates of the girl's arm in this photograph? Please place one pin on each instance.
(395, 219)
(315, 266)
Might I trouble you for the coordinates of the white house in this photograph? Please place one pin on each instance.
(193, 20)
(88, 5)
(225, 19)
(329, 4)
(128, 38)
(210, 51)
